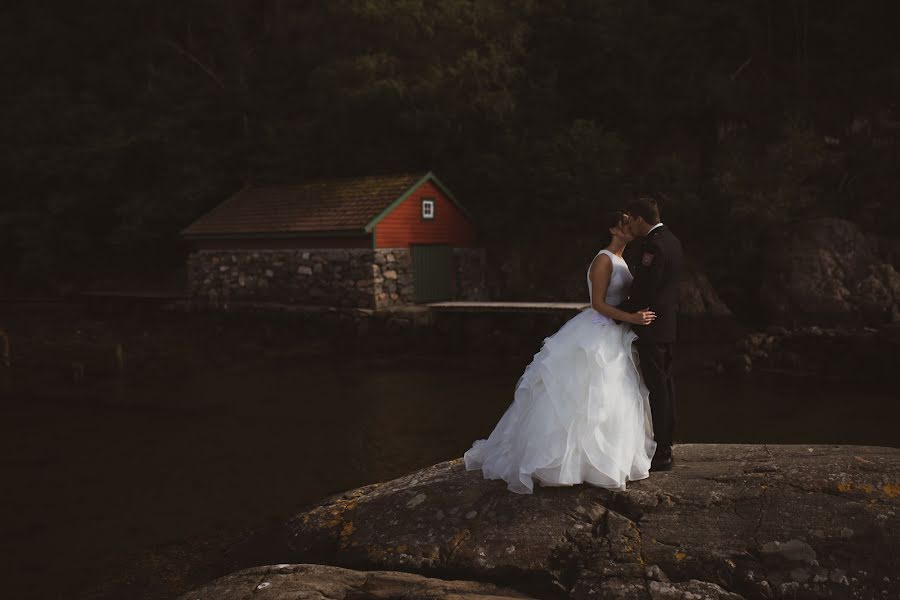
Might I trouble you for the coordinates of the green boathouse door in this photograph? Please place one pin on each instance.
(432, 272)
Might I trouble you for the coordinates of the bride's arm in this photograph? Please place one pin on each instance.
(601, 271)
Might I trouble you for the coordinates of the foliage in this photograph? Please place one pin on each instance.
(128, 119)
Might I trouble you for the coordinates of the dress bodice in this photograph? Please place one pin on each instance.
(619, 281)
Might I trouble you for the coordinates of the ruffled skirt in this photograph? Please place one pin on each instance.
(581, 413)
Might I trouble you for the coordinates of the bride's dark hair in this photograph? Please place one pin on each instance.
(607, 222)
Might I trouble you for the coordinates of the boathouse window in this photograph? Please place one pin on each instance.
(427, 208)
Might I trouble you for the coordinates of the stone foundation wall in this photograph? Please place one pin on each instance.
(362, 278)
(334, 277)
(469, 266)
(393, 277)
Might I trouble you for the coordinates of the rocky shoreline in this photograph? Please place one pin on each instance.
(828, 302)
(850, 353)
(729, 522)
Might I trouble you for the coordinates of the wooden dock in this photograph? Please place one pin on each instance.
(507, 307)
(550, 308)
(124, 301)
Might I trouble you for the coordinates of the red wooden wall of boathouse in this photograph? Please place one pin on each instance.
(404, 225)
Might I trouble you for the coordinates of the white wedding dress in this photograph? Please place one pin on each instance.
(581, 411)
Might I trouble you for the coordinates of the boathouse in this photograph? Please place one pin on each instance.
(369, 242)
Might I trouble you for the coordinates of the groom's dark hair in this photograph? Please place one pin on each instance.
(644, 207)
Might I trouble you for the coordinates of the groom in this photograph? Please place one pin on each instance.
(655, 285)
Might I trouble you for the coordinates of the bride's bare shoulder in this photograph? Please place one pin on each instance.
(601, 263)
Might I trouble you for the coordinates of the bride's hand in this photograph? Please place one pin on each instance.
(643, 317)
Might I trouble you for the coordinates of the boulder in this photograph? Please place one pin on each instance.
(698, 299)
(828, 271)
(730, 521)
(703, 316)
(289, 582)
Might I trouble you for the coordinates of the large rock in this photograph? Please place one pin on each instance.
(730, 521)
(319, 582)
(827, 271)
(698, 299)
(703, 316)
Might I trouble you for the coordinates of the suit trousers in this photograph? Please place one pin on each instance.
(656, 368)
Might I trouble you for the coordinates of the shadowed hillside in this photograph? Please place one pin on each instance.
(126, 120)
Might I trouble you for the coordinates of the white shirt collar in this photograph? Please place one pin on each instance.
(654, 227)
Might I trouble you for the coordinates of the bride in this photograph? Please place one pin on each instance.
(581, 411)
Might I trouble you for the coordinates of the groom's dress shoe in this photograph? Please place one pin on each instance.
(663, 464)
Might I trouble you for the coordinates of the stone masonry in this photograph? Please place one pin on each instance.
(358, 277)
(337, 277)
(393, 277)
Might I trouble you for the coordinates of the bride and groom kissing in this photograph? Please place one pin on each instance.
(597, 403)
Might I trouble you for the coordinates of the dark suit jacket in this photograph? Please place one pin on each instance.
(657, 273)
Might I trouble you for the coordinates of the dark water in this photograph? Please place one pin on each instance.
(94, 479)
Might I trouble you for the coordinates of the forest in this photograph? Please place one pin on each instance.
(124, 121)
